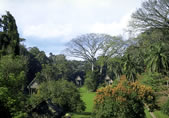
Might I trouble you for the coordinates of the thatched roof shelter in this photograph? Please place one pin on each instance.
(33, 86)
(108, 80)
(78, 80)
(107, 77)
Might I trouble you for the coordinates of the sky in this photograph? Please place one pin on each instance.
(50, 24)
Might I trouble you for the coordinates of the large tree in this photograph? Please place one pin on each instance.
(87, 46)
(130, 68)
(9, 36)
(157, 58)
(12, 81)
(113, 47)
(154, 14)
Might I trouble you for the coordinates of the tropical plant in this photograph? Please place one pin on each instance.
(114, 65)
(92, 80)
(125, 100)
(165, 108)
(157, 59)
(130, 68)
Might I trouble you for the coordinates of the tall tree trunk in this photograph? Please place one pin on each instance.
(101, 69)
(92, 66)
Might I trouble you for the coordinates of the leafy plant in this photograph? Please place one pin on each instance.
(125, 100)
(165, 108)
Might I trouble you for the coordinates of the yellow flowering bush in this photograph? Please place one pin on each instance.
(126, 99)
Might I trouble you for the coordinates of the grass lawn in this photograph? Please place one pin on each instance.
(88, 98)
(147, 114)
(159, 114)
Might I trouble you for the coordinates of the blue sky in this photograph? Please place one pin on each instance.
(50, 24)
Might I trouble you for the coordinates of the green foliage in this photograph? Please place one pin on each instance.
(57, 69)
(130, 68)
(92, 80)
(60, 68)
(165, 108)
(12, 78)
(39, 55)
(148, 52)
(62, 93)
(126, 100)
(47, 73)
(155, 80)
(9, 36)
(114, 66)
(101, 62)
(157, 59)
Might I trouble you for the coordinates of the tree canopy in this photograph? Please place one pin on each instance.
(152, 15)
(9, 36)
(87, 46)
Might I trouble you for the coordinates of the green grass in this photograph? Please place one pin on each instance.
(159, 114)
(147, 114)
(88, 98)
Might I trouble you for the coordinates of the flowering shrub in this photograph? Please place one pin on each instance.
(125, 100)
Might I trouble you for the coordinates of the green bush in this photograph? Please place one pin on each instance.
(165, 108)
(91, 81)
(12, 81)
(155, 80)
(61, 93)
(125, 100)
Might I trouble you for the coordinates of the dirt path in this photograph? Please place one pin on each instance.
(152, 115)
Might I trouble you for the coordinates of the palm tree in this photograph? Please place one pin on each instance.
(115, 65)
(130, 68)
(158, 57)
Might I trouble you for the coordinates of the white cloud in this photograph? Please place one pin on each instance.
(114, 28)
(62, 20)
(43, 31)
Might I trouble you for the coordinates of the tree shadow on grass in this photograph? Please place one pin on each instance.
(82, 115)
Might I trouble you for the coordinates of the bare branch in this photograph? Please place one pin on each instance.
(153, 14)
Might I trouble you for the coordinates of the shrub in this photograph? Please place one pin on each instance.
(61, 93)
(91, 81)
(165, 108)
(155, 80)
(126, 100)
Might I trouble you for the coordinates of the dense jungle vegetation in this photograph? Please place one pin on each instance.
(120, 78)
